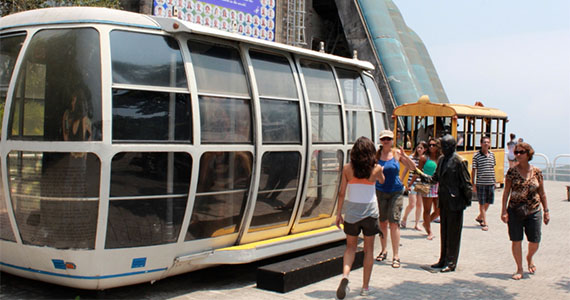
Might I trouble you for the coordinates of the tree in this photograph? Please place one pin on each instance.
(13, 6)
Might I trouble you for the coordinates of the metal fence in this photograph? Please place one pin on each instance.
(558, 169)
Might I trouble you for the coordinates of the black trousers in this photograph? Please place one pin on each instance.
(451, 225)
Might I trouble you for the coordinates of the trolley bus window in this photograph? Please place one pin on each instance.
(55, 197)
(148, 198)
(146, 59)
(493, 132)
(461, 134)
(149, 116)
(223, 188)
(9, 48)
(324, 180)
(281, 120)
(378, 105)
(478, 132)
(58, 90)
(358, 117)
(6, 232)
(326, 125)
(277, 190)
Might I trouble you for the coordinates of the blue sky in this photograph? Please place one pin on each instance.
(509, 54)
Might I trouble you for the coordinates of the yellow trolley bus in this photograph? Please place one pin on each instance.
(415, 122)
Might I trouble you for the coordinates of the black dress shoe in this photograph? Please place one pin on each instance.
(438, 265)
(448, 269)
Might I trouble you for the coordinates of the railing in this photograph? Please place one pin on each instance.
(552, 171)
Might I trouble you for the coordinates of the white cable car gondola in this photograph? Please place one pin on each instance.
(135, 148)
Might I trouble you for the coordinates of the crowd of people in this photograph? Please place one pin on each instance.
(438, 179)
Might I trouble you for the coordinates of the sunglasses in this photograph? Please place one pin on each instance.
(433, 145)
(386, 139)
(520, 152)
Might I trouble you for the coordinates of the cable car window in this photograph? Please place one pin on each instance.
(148, 198)
(324, 180)
(57, 94)
(55, 197)
(326, 126)
(280, 121)
(359, 123)
(380, 121)
(218, 69)
(225, 120)
(273, 75)
(320, 82)
(352, 87)
(146, 59)
(374, 94)
(151, 116)
(279, 181)
(9, 49)
(221, 195)
(6, 232)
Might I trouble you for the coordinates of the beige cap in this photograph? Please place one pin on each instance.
(386, 133)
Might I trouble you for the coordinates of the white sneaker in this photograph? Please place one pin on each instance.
(342, 289)
(366, 292)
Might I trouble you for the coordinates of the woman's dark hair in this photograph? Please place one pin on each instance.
(423, 144)
(438, 152)
(362, 157)
(527, 147)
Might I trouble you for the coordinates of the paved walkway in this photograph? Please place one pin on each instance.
(484, 270)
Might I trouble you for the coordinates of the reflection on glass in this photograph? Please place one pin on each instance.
(326, 126)
(381, 122)
(278, 184)
(151, 116)
(146, 59)
(374, 94)
(273, 75)
(218, 69)
(320, 82)
(280, 121)
(324, 180)
(10, 46)
(160, 183)
(222, 192)
(59, 66)
(6, 232)
(352, 88)
(225, 120)
(55, 197)
(359, 123)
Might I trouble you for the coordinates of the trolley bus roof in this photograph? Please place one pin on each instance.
(426, 108)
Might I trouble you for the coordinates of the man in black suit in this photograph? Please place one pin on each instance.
(454, 196)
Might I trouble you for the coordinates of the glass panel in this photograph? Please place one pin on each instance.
(470, 133)
(443, 126)
(55, 197)
(493, 131)
(9, 48)
(6, 232)
(218, 69)
(374, 93)
(352, 88)
(281, 122)
(403, 136)
(223, 188)
(324, 180)
(422, 130)
(359, 124)
(326, 126)
(146, 59)
(478, 132)
(151, 116)
(461, 134)
(320, 82)
(277, 190)
(380, 121)
(58, 91)
(225, 120)
(273, 75)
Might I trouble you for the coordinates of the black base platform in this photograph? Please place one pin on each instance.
(296, 272)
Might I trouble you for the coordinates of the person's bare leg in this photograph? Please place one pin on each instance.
(383, 240)
(419, 206)
(368, 261)
(427, 217)
(395, 239)
(349, 253)
(409, 208)
(517, 254)
(532, 248)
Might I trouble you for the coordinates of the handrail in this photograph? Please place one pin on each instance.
(554, 169)
(548, 169)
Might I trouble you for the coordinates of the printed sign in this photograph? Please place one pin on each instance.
(253, 18)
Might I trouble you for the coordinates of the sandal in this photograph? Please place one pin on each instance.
(403, 224)
(479, 221)
(531, 269)
(396, 263)
(381, 256)
(517, 276)
(485, 227)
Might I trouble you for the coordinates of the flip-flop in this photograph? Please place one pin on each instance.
(485, 227)
(517, 276)
(479, 221)
(382, 256)
(531, 269)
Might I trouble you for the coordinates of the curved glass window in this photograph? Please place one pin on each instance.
(10, 46)
(151, 116)
(324, 181)
(57, 95)
(146, 59)
(320, 82)
(149, 194)
(225, 120)
(273, 75)
(326, 125)
(277, 190)
(6, 232)
(352, 88)
(55, 197)
(359, 123)
(378, 105)
(221, 196)
(218, 69)
(280, 121)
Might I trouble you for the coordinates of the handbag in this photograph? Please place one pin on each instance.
(421, 188)
(521, 210)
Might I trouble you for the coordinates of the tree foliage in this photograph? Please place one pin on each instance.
(13, 6)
